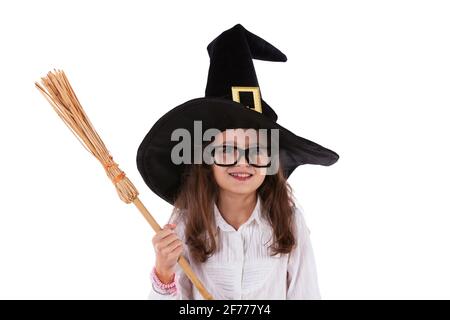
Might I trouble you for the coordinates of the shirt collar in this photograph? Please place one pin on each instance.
(225, 226)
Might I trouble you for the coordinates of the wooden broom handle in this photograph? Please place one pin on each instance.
(184, 264)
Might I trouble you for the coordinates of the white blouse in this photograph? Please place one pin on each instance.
(242, 268)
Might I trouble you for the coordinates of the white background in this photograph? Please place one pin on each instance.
(368, 79)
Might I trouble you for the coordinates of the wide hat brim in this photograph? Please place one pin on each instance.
(163, 177)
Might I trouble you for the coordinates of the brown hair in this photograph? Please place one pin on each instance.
(195, 205)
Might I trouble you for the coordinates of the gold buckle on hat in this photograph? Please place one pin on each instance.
(256, 96)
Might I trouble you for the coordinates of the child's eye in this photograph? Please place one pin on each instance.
(227, 149)
(258, 150)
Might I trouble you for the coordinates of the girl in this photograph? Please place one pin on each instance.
(238, 263)
(234, 220)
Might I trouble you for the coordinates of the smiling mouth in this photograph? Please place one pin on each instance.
(241, 176)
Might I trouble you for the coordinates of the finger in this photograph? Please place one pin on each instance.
(174, 245)
(176, 253)
(179, 250)
(162, 234)
(168, 240)
(166, 230)
(162, 244)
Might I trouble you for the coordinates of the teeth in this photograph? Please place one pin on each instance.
(242, 175)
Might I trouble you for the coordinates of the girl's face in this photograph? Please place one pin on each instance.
(241, 178)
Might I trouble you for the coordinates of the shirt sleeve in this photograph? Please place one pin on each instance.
(302, 282)
(183, 284)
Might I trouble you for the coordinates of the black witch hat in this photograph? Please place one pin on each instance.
(232, 100)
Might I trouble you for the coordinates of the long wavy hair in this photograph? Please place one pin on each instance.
(195, 205)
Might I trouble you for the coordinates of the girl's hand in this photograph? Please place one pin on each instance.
(168, 248)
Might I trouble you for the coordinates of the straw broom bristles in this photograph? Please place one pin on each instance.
(66, 104)
(59, 93)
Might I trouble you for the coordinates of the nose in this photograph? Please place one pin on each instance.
(242, 161)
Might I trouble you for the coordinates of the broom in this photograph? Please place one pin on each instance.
(59, 93)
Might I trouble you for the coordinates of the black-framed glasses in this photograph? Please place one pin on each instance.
(229, 155)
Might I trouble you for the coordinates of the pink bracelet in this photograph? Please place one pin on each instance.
(166, 288)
